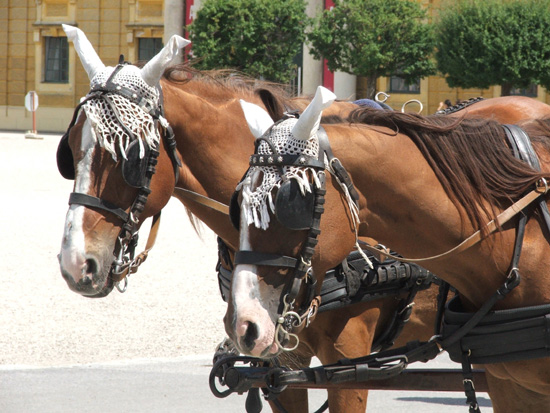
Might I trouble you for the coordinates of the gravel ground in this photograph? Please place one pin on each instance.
(172, 307)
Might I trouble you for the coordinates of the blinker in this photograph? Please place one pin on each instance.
(65, 160)
(292, 209)
(134, 168)
(235, 211)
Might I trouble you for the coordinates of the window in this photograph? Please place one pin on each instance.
(56, 61)
(530, 91)
(149, 47)
(296, 80)
(398, 85)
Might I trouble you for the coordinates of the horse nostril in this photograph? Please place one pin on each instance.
(250, 336)
(90, 270)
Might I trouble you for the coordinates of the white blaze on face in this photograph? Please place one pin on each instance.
(73, 248)
(246, 300)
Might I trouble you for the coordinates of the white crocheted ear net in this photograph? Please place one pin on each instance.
(105, 127)
(255, 200)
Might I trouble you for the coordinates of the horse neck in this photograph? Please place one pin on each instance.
(214, 143)
(405, 208)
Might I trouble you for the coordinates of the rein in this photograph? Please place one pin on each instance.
(541, 188)
(202, 200)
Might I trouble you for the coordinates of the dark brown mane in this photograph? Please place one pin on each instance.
(470, 157)
(233, 81)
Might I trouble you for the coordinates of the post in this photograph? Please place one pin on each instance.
(31, 104)
(33, 114)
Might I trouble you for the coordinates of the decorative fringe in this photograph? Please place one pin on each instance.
(110, 135)
(257, 204)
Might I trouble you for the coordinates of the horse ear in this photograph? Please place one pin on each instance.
(273, 105)
(257, 118)
(86, 52)
(153, 70)
(309, 121)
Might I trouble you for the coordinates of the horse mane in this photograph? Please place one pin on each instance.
(235, 83)
(470, 157)
(223, 84)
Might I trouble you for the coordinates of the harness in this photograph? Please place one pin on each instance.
(484, 336)
(459, 106)
(353, 282)
(137, 172)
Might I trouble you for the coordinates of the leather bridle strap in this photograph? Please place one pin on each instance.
(97, 203)
(201, 199)
(492, 226)
(142, 256)
(264, 259)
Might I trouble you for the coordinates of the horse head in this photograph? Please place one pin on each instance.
(273, 292)
(118, 151)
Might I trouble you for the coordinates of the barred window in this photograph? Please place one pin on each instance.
(149, 47)
(530, 91)
(56, 61)
(398, 85)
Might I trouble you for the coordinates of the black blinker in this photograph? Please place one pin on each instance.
(65, 160)
(294, 210)
(235, 211)
(134, 168)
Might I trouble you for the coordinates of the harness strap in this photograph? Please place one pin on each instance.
(141, 257)
(286, 160)
(266, 259)
(501, 219)
(337, 166)
(94, 202)
(523, 149)
(201, 199)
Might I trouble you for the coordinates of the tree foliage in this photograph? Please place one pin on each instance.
(257, 37)
(494, 42)
(375, 38)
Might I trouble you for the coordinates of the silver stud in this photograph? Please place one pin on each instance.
(134, 96)
(261, 159)
(118, 88)
(270, 159)
(280, 159)
(302, 160)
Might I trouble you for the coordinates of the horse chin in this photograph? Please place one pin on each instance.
(271, 352)
(103, 291)
(92, 289)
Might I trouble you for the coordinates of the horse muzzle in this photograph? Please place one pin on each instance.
(86, 276)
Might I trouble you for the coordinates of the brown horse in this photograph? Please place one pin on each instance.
(210, 133)
(424, 184)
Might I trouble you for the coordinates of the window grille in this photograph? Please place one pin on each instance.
(398, 85)
(149, 47)
(56, 61)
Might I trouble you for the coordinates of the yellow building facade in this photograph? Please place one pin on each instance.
(434, 89)
(31, 33)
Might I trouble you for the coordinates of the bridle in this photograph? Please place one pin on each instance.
(136, 173)
(291, 321)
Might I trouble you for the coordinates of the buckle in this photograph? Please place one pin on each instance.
(541, 186)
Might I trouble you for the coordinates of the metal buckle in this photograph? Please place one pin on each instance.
(541, 186)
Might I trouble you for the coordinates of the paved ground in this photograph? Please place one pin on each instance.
(147, 350)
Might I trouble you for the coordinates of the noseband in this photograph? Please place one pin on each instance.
(300, 214)
(136, 172)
